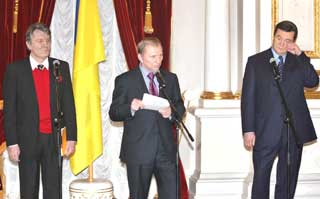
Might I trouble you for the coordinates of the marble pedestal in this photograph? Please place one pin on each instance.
(98, 189)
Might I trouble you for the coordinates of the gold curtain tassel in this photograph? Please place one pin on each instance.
(15, 16)
(148, 18)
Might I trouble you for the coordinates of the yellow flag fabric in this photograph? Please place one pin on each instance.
(88, 52)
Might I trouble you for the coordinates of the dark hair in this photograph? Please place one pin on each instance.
(287, 26)
(37, 26)
(147, 41)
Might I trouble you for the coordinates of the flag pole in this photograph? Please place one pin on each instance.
(90, 179)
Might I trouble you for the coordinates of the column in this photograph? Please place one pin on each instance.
(217, 51)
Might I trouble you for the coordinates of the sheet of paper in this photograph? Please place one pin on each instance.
(154, 102)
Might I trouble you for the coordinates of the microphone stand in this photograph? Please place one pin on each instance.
(57, 122)
(178, 121)
(289, 123)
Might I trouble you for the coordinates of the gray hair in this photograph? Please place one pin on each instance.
(37, 26)
(148, 41)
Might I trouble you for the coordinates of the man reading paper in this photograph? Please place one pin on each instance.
(148, 146)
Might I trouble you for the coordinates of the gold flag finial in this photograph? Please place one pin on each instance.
(148, 18)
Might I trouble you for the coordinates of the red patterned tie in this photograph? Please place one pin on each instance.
(152, 86)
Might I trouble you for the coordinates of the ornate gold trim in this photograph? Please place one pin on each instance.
(237, 95)
(1, 104)
(308, 93)
(275, 20)
(217, 95)
(107, 190)
(311, 93)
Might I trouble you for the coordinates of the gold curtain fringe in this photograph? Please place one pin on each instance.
(148, 18)
(15, 16)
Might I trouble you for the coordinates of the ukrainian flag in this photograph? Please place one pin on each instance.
(88, 52)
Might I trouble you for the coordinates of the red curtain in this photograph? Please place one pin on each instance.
(126, 32)
(161, 16)
(13, 43)
(130, 18)
(183, 182)
(136, 12)
(182, 177)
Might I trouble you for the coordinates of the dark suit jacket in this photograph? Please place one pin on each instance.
(261, 107)
(143, 130)
(21, 114)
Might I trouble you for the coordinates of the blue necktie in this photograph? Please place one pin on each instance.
(281, 68)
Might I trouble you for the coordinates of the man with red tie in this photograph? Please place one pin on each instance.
(29, 112)
(148, 145)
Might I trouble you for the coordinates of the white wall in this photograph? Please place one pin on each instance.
(187, 51)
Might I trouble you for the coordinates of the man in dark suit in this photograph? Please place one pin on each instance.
(148, 145)
(262, 111)
(30, 106)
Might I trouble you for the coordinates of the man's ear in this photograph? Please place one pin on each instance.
(28, 45)
(140, 58)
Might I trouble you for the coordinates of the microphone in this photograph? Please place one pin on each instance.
(56, 67)
(162, 82)
(275, 67)
(272, 61)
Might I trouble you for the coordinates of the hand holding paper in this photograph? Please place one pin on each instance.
(152, 102)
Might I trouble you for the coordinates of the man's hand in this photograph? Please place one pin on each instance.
(294, 48)
(136, 104)
(249, 139)
(70, 148)
(14, 152)
(165, 112)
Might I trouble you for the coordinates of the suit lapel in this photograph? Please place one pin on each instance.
(269, 73)
(269, 56)
(142, 87)
(165, 88)
(27, 74)
(288, 70)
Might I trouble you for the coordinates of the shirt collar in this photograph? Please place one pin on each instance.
(144, 71)
(34, 63)
(276, 56)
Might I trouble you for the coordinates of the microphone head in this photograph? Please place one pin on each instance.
(272, 59)
(158, 74)
(56, 62)
(160, 79)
